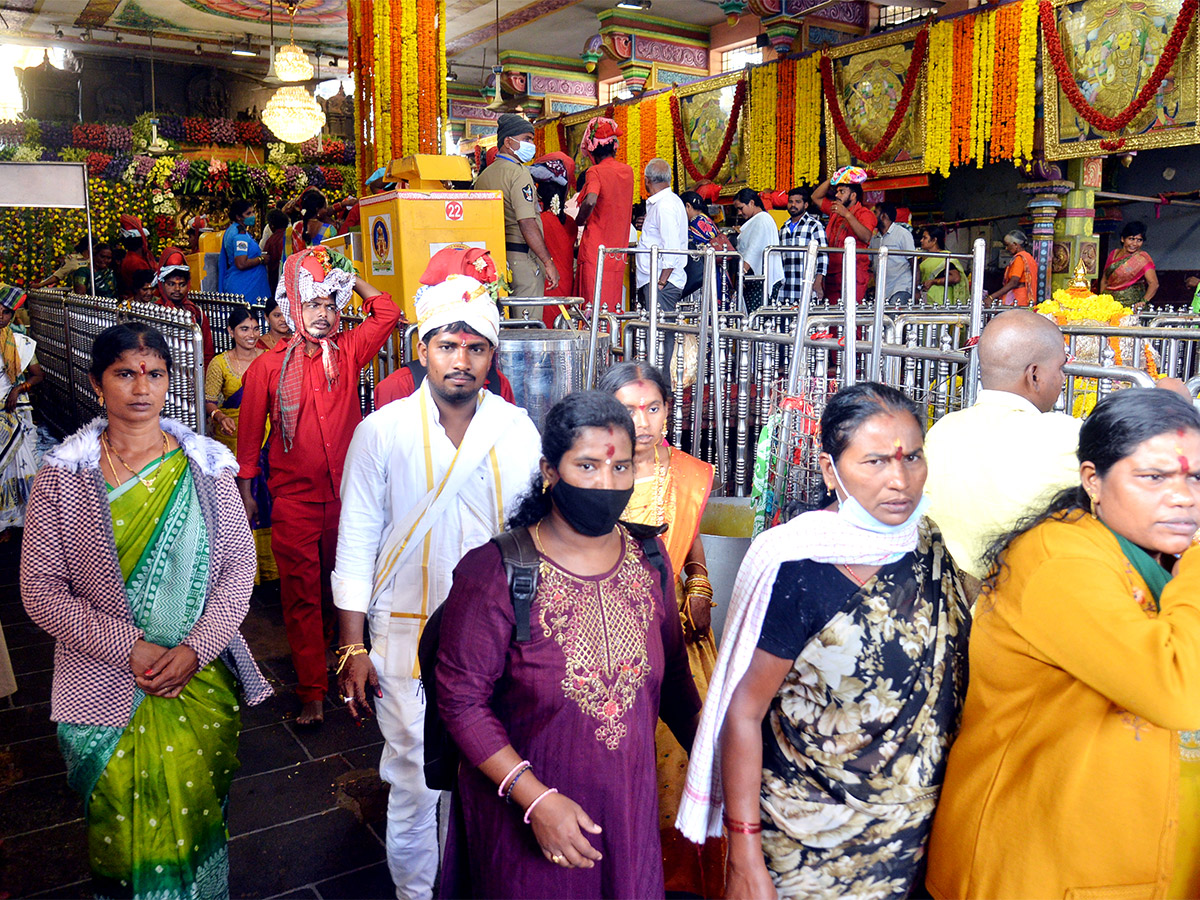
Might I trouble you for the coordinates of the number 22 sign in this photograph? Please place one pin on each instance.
(454, 211)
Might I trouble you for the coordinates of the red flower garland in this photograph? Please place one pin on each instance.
(1066, 79)
(910, 83)
(562, 139)
(685, 153)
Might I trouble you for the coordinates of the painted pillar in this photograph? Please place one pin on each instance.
(1045, 200)
(1074, 240)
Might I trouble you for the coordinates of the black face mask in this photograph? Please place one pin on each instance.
(591, 511)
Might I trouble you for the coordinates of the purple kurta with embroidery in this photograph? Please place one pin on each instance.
(580, 701)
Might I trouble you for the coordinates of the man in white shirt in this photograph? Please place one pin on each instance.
(1001, 459)
(426, 479)
(898, 278)
(666, 225)
(758, 232)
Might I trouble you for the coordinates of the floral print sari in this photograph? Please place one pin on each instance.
(861, 728)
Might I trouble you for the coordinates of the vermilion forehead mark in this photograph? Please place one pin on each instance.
(899, 454)
(143, 365)
(1184, 467)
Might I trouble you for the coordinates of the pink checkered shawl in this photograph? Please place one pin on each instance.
(72, 587)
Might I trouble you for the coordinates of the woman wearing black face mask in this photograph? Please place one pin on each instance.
(557, 793)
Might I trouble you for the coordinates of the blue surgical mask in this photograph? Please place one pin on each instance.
(525, 152)
(250, 220)
(856, 514)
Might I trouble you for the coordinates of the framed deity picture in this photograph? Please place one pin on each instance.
(704, 110)
(1109, 49)
(868, 80)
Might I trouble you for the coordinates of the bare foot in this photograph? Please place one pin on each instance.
(311, 713)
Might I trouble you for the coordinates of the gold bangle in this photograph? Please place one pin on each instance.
(353, 651)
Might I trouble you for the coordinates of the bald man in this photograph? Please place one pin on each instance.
(997, 461)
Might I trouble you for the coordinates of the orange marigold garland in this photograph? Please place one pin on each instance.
(962, 117)
(785, 119)
(870, 155)
(648, 121)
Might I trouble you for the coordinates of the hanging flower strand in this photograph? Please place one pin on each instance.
(1066, 78)
(860, 153)
(685, 152)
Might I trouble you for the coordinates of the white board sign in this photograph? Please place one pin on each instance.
(55, 185)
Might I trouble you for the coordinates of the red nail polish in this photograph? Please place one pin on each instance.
(148, 672)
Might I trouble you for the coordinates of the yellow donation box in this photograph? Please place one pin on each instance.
(402, 229)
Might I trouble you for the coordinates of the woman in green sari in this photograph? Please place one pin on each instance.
(143, 581)
(934, 274)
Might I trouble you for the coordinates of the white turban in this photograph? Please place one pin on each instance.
(459, 298)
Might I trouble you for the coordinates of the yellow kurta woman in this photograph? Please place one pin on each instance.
(223, 399)
(671, 488)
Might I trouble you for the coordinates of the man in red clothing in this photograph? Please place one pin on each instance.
(136, 241)
(604, 214)
(173, 279)
(309, 387)
(847, 216)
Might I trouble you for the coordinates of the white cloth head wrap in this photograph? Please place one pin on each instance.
(459, 298)
(337, 284)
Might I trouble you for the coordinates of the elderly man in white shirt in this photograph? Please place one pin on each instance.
(667, 226)
(427, 478)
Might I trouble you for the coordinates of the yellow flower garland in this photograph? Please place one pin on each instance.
(1026, 89)
(807, 164)
(761, 127)
(940, 84)
(633, 146)
(664, 139)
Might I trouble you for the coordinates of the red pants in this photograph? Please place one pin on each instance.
(304, 539)
(833, 285)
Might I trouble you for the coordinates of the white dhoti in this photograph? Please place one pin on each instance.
(412, 505)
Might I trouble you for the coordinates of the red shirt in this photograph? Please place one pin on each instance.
(608, 224)
(560, 241)
(133, 262)
(836, 233)
(400, 384)
(312, 469)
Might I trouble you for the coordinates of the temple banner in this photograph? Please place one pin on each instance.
(868, 81)
(1111, 48)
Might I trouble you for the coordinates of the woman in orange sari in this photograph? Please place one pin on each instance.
(1021, 275)
(1129, 271)
(671, 489)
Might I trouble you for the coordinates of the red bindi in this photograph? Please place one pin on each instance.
(1184, 467)
(143, 365)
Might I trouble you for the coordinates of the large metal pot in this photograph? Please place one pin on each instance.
(545, 365)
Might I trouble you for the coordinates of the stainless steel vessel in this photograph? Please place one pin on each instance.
(545, 365)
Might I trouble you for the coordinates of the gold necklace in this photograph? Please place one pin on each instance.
(109, 449)
(660, 484)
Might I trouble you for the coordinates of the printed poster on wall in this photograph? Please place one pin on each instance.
(382, 251)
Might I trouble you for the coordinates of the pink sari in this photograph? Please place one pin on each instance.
(1127, 276)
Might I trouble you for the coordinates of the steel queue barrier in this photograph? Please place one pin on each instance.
(65, 325)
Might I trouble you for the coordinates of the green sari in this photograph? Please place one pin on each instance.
(935, 267)
(155, 791)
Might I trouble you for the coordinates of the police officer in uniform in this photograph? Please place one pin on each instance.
(528, 259)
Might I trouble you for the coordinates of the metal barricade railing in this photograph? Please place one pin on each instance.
(1176, 351)
(217, 307)
(66, 325)
(185, 394)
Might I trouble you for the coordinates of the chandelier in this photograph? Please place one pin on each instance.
(293, 114)
(291, 63)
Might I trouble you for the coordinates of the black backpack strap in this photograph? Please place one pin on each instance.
(521, 565)
(647, 537)
(417, 371)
